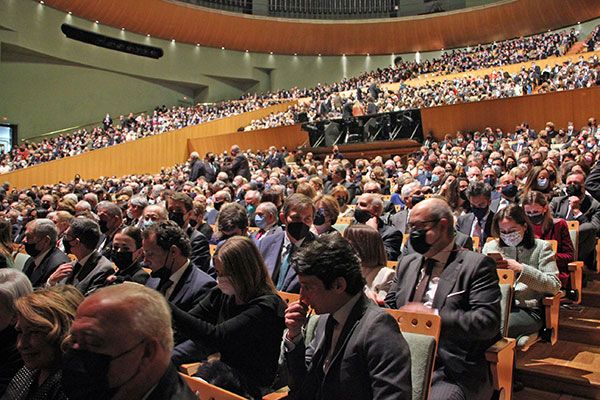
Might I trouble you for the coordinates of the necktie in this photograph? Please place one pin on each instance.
(285, 266)
(424, 282)
(329, 328)
(76, 269)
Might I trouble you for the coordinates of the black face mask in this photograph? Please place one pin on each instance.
(361, 216)
(67, 246)
(416, 199)
(122, 259)
(85, 375)
(177, 217)
(341, 201)
(574, 190)
(418, 241)
(463, 195)
(480, 212)
(490, 181)
(537, 163)
(536, 219)
(510, 190)
(103, 226)
(218, 206)
(297, 230)
(46, 206)
(319, 218)
(192, 223)
(31, 250)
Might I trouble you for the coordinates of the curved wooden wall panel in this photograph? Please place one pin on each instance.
(558, 107)
(146, 155)
(213, 28)
(289, 136)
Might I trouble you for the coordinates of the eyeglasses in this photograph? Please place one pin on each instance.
(420, 225)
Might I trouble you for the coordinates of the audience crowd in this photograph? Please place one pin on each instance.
(165, 119)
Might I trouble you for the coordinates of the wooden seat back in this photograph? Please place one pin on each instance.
(206, 391)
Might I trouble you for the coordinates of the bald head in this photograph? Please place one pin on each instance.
(372, 203)
(434, 216)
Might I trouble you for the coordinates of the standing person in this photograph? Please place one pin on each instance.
(463, 286)
(242, 318)
(240, 165)
(357, 351)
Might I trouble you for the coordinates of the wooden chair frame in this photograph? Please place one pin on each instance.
(429, 324)
(575, 273)
(206, 391)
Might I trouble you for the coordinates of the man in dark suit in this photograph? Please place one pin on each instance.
(133, 327)
(338, 177)
(166, 252)
(357, 351)
(181, 208)
(91, 269)
(274, 159)
(240, 165)
(369, 209)
(110, 221)
(297, 215)
(508, 193)
(40, 244)
(463, 286)
(478, 222)
(265, 219)
(201, 169)
(411, 195)
(578, 205)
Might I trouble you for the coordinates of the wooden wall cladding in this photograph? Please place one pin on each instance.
(192, 24)
(558, 107)
(147, 155)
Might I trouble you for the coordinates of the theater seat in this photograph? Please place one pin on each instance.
(422, 333)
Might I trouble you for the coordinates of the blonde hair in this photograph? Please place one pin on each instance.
(246, 268)
(51, 309)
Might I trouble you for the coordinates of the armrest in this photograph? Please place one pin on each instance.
(552, 300)
(551, 310)
(276, 395)
(190, 369)
(575, 265)
(495, 351)
(501, 356)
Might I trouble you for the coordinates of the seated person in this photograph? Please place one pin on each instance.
(242, 318)
(43, 321)
(326, 214)
(13, 285)
(369, 246)
(127, 253)
(547, 228)
(357, 351)
(120, 348)
(535, 269)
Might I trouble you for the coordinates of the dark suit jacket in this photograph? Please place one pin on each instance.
(392, 240)
(200, 168)
(171, 387)
(589, 207)
(468, 300)
(371, 360)
(464, 224)
(39, 276)
(200, 256)
(400, 220)
(192, 286)
(272, 230)
(270, 248)
(592, 182)
(240, 166)
(92, 275)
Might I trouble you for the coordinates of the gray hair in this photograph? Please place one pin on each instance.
(268, 208)
(13, 284)
(45, 227)
(111, 209)
(408, 188)
(139, 201)
(146, 310)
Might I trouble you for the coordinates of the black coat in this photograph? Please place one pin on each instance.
(39, 276)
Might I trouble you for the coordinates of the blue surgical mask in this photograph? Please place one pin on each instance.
(260, 221)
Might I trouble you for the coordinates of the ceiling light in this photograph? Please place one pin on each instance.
(41, 2)
(148, 35)
(271, 53)
(172, 40)
(70, 13)
(222, 48)
(97, 22)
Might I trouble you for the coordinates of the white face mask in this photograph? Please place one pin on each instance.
(512, 239)
(225, 286)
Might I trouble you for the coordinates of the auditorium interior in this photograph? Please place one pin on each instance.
(120, 98)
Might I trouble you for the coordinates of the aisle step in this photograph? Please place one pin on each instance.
(567, 368)
(580, 324)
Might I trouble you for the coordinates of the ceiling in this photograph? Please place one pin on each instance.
(196, 25)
